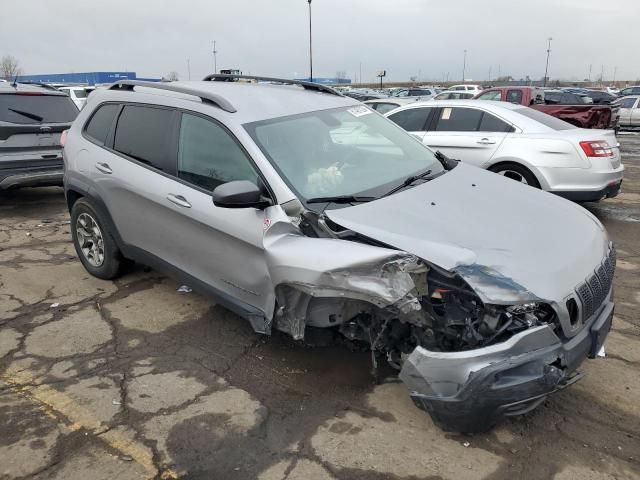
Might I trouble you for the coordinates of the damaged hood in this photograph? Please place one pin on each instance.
(509, 241)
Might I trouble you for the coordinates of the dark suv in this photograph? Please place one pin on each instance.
(32, 119)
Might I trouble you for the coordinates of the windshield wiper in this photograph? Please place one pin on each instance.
(341, 199)
(32, 116)
(408, 181)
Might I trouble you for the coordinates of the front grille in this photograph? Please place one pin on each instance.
(595, 289)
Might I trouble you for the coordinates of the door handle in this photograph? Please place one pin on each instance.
(104, 168)
(486, 141)
(178, 200)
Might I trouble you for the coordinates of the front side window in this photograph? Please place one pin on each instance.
(412, 120)
(459, 120)
(144, 134)
(100, 123)
(341, 151)
(495, 96)
(208, 156)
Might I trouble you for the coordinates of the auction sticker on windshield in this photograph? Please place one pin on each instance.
(359, 111)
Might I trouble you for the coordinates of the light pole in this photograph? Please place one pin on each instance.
(546, 69)
(215, 57)
(464, 65)
(310, 46)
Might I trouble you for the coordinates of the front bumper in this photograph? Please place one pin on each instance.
(471, 391)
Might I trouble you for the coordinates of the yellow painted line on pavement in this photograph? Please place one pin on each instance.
(79, 417)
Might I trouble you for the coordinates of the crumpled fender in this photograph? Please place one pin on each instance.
(327, 267)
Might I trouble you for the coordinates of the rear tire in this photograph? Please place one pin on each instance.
(94, 242)
(516, 172)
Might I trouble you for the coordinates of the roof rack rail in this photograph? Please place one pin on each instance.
(206, 97)
(306, 85)
(38, 84)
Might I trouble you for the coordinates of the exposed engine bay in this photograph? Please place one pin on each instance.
(438, 310)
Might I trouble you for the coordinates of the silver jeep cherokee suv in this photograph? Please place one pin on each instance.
(297, 207)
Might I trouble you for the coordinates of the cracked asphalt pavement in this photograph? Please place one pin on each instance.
(132, 380)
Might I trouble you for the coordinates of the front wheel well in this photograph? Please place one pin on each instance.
(72, 198)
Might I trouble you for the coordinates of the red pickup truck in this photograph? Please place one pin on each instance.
(581, 115)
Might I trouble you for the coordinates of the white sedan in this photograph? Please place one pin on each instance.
(520, 143)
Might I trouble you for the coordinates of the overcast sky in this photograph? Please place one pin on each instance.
(405, 37)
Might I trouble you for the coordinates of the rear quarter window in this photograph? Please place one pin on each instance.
(100, 123)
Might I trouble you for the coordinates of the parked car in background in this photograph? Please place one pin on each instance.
(475, 89)
(385, 105)
(520, 143)
(601, 97)
(363, 94)
(565, 97)
(629, 111)
(423, 93)
(635, 90)
(612, 90)
(580, 114)
(32, 119)
(451, 95)
(78, 94)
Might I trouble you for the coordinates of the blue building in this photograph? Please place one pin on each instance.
(90, 78)
(327, 81)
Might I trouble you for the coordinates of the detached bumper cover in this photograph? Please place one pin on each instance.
(471, 391)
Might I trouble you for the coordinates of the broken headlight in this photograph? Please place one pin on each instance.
(461, 321)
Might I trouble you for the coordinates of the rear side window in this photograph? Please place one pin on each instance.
(412, 120)
(80, 93)
(491, 123)
(208, 156)
(36, 109)
(100, 123)
(459, 120)
(145, 133)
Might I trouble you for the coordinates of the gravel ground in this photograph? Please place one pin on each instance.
(131, 379)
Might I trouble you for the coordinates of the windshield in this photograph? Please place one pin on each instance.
(345, 151)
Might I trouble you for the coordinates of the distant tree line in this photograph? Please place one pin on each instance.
(9, 67)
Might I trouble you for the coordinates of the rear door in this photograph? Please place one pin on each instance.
(468, 134)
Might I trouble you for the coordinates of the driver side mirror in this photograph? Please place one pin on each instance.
(239, 194)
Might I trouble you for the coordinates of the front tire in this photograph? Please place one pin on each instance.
(516, 172)
(94, 242)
